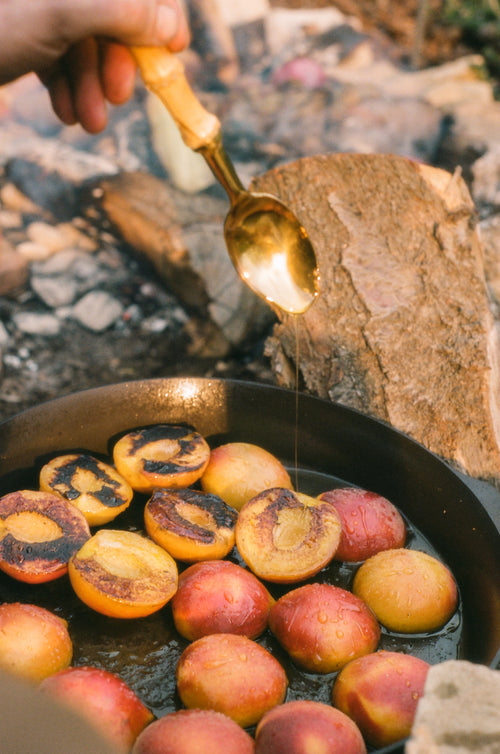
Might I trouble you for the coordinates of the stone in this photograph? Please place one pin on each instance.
(459, 712)
(36, 323)
(97, 311)
(402, 329)
(13, 269)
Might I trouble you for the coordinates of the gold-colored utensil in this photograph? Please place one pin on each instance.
(268, 246)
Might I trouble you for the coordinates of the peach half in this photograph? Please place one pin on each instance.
(220, 597)
(104, 699)
(370, 523)
(190, 525)
(238, 471)
(39, 532)
(164, 455)
(285, 536)
(380, 692)
(323, 627)
(302, 726)
(92, 486)
(34, 643)
(230, 674)
(122, 574)
(194, 731)
(409, 591)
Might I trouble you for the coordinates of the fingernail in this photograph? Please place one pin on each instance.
(166, 23)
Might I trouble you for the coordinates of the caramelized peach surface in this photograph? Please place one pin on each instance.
(194, 731)
(34, 642)
(230, 674)
(285, 536)
(306, 727)
(237, 471)
(164, 455)
(104, 699)
(92, 486)
(220, 597)
(39, 532)
(122, 574)
(380, 692)
(409, 591)
(370, 523)
(190, 525)
(323, 627)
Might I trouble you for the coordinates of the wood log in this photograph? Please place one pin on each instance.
(402, 329)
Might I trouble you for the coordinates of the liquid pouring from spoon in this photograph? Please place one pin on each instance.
(267, 244)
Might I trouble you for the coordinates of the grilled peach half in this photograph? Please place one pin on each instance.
(380, 692)
(164, 455)
(409, 591)
(123, 574)
(305, 726)
(285, 536)
(39, 532)
(220, 597)
(370, 523)
(230, 674)
(238, 471)
(190, 525)
(323, 627)
(104, 699)
(34, 641)
(189, 731)
(92, 486)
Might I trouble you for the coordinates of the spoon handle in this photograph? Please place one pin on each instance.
(163, 73)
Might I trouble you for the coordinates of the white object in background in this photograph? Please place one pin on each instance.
(239, 12)
(187, 170)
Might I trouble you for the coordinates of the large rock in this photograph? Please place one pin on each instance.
(458, 713)
(403, 329)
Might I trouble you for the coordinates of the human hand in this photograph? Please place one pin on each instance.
(79, 49)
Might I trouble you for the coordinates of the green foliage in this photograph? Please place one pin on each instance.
(479, 22)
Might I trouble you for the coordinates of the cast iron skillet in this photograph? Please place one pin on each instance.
(334, 443)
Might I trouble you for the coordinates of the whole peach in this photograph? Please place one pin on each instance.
(370, 523)
(238, 471)
(218, 596)
(194, 731)
(300, 727)
(380, 692)
(104, 699)
(34, 643)
(323, 627)
(409, 591)
(230, 674)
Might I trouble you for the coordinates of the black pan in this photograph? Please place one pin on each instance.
(447, 515)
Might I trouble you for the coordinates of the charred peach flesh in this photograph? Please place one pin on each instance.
(230, 674)
(194, 731)
(220, 597)
(380, 692)
(323, 627)
(304, 726)
(164, 455)
(238, 471)
(122, 574)
(34, 642)
(92, 486)
(409, 591)
(39, 531)
(285, 536)
(190, 525)
(370, 523)
(104, 699)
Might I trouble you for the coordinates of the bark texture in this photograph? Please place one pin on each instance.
(403, 329)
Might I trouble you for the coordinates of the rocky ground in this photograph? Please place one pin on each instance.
(80, 307)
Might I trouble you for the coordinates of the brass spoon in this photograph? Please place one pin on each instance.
(268, 246)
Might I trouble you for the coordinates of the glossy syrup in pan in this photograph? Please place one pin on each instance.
(144, 652)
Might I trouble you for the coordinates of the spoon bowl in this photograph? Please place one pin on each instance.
(268, 246)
